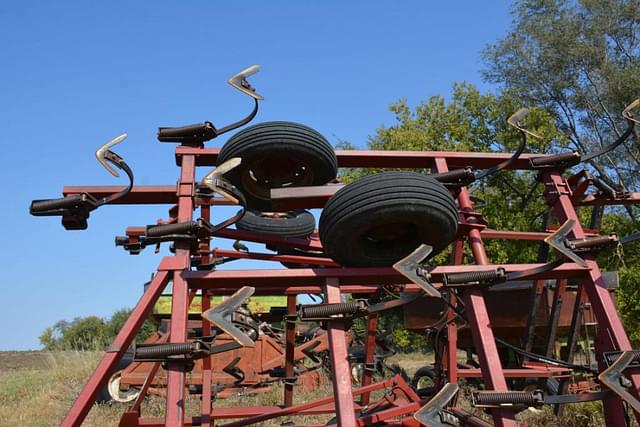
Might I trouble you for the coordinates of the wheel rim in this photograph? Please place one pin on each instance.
(424, 382)
(276, 216)
(121, 396)
(390, 237)
(264, 174)
(357, 370)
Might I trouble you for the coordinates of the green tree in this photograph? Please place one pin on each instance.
(580, 61)
(89, 333)
(472, 121)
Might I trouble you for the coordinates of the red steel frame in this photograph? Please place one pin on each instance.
(337, 281)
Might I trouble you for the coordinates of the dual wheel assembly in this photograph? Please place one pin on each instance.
(371, 222)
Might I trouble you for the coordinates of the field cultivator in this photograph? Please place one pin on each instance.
(374, 244)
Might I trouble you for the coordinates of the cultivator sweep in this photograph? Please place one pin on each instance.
(375, 241)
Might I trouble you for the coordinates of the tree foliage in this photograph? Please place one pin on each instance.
(89, 333)
(473, 121)
(580, 61)
(510, 200)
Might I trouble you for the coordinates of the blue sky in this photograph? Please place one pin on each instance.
(75, 74)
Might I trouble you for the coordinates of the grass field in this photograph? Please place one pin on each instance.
(37, 389)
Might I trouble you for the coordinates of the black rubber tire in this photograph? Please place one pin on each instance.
(277, 151)
(424, 372)
(298, 223)
(358, 223)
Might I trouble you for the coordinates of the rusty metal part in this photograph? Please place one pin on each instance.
(558, 242)
(404, 298)
(613, 377)
(220, 316)
(590, 243)
(432, 414)
(410, 268)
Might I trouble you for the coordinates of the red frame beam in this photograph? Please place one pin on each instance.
(121, 343)
(387, 159)
(478, 315)
(340, 369)
(611, 333)
(302, 277)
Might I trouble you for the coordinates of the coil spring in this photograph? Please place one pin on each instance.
(490, 276)
(163, 350)
(554, 160)
(327, 310)
(492, 398)
(166, 229)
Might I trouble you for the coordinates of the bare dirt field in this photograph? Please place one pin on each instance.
(15, 360)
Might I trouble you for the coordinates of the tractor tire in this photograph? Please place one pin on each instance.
(379, 219)
(299, 223)
(276, 155)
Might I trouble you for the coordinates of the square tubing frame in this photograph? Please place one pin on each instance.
(611, 335)
(485, 344)
(341, 371)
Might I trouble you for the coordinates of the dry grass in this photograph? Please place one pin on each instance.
(41, 397)
(41, 393)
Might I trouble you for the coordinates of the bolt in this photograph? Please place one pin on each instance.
(625, 382)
